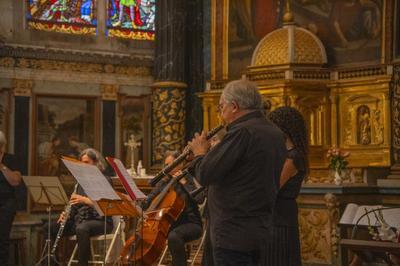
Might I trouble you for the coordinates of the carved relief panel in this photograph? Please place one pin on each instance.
(362, 117)
(315, 235)
(362, 111)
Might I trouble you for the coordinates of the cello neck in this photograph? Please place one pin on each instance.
(164, 191)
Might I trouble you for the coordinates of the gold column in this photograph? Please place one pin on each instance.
(168, 119)
(334, 123)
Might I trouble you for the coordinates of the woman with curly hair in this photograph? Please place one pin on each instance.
(284, 249)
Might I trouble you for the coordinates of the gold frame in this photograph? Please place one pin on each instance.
(219, 39)
(33, 139)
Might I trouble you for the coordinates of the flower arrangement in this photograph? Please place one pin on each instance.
(337, 158)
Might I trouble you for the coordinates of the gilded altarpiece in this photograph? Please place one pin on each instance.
(346, 107)
(363, 112)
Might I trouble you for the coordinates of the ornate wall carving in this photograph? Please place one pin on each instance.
(315, 235)
(168, 121)
(23, 87)
(42, 64)
(396, 114)
(109, 92)
(332, 204)
(319, 234)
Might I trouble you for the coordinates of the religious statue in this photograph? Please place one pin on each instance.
(364, 125)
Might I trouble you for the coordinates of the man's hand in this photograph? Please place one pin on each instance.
(199, 144)
(177, 173)
(76, 199)
(61, 218)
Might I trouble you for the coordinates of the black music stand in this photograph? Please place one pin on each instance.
(46, 191)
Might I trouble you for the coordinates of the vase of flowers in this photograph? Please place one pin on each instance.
(337, 163)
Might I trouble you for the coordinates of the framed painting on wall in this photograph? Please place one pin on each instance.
(351, 31)
(5, 99)
(62, 127)
(135, 121)
(249, 21)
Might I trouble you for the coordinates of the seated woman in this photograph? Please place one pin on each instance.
(84, 221)
(188, 227)
(285, 243)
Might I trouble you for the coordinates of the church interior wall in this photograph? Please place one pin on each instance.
(117, 75)
(38, 64)
(14, 30)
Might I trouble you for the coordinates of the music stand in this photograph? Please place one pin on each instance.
(107, 207)
(46, 191)
(107, 201)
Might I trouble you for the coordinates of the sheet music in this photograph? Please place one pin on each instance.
(348, 214)
(92, 180)
(353, 212)
(123, 173)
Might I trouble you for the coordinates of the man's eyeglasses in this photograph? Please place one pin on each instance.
(221, 105)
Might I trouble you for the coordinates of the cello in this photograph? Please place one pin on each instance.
(147, 244)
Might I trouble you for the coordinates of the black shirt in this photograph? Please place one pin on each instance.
(286, 206)
(242, 174)
(83, 212)
(6, 190)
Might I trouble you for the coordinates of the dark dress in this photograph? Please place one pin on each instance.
(285, 245)
(8, 207)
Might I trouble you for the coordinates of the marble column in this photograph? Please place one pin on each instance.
(109, 94)
(169, 89)
(22, 100)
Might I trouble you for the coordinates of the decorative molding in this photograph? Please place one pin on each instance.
(133, 35)
(332, 204)
(169, 84)
(41, 64)
(396, 114)
(23, 87)
(69, 55)
(270, 75)
(363, 72)
(109, 92)
(216, 84)
(312, 75)
(62, 28)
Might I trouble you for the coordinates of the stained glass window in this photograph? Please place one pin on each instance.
(132, 19)
(68, 16)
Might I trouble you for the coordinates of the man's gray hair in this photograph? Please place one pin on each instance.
(3, 139)
(244, 93)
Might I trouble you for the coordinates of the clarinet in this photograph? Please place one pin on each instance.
(67, 211)
(180, 158)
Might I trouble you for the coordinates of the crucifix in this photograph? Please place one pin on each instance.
(133, 145)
